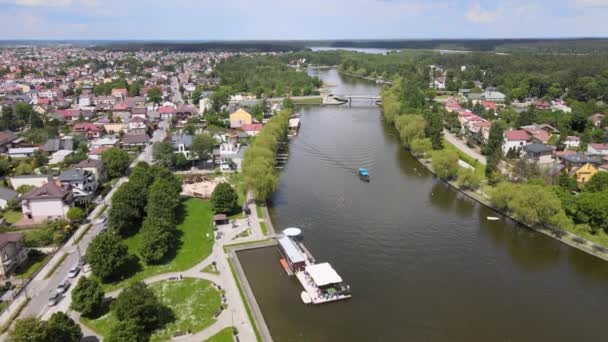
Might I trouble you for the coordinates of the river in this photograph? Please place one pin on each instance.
(423, 262)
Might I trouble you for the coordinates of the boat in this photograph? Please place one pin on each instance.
(305, 297)
(364, 174)
(493, 218)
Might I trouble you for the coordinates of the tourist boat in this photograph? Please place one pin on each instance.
(364, 174)
(305, 297)
(492, 218)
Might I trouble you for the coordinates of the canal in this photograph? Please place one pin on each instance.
(422, 260)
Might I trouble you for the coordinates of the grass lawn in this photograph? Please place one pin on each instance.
(195, 244)
(480, 169)
(258, 209)
(32, 265)
(210, 269)
(12, 216)
(236, 180)
(264, 228)
(224, 335)
(193, 302)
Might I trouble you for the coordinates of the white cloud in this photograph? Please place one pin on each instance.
(592, 3)
(479, 15)
(52, 3)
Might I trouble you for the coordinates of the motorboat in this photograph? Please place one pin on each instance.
(364, 174)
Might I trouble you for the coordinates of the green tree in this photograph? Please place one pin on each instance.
(87, 297)
(75, 214)
(597, 183)
(410, 127)
(420, 147)
(157, 239)
(107, 255)
(127, 210)
(592, 208)
(61, 328)
(116, 161)
(163, 200)
(495, 139)
(196, 95)
(224, 198)
(202, 146)
(445, 164)
(137, 302)
(468, 179)
(434, 128)
(134, 89)
(154, 95)
(29, 329)
(127, 331)
(24, 188)
(162, 153)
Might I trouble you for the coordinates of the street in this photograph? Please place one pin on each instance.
(40, 288)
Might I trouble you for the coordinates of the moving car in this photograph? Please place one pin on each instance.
(73, 272)
(61, 288)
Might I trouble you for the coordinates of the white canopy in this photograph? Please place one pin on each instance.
(323, 274)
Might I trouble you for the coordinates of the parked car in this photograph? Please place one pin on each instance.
(61, 288)
(54, 299)
(73, 272)
(102, 220)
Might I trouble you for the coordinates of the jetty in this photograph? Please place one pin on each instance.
(319, 280)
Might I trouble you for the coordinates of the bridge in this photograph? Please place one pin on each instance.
(341, 99)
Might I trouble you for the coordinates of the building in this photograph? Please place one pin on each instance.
(584, 173)
(79, 179)
(515, 140)
(49, 201)
(89, 130)
(135, 139)
(295, 258)
(252, 129)
(240, 118)
(12, 253)
(572, 142)
(57, 144)
(181, 144)
(597, 149)
(21, 152)
(6, 194)
(94, 166)
(6, 140)
(35, 181)
(494, 96)
(540, 153)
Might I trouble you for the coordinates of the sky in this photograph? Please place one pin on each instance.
(300, 19)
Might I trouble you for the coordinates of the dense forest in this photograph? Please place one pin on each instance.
(265, 76)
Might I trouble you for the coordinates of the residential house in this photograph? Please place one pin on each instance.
(49, 201)
(107, 141)
(574, 161)
(205, 104)
(252, 129)
(29, 180)
(596, 119)
(597, 149)
(139, 112)
(119, 93)
(181, 144)
(6, 140)
(82, 183)
(56, 144)
(166, 112)
(135, 139)
(585, 172)
(137, 125)
(239, 118)
(21, 152)
(114, 128)
(572, 142)
(96, 152)
(515, 140)
(95, 166)
(185, 112)
(6, 194)
(451, 105)
(89, 130)
(12, 253)
(540, 153)
(493, 96)
(481, 128)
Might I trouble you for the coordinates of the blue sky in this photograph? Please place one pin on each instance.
(301, 19)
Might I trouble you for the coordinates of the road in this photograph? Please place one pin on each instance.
(177, 96)
(461, 145)
(39, 288)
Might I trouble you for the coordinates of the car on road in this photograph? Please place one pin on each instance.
(61, 288)
(54, 299)
(102, 220)
(73, 272)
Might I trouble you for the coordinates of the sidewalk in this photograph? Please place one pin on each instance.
(462, 146)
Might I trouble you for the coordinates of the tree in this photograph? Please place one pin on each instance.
(87, 297)
(434, 128)
(202, 146)
(196, 95)
(60, 327)
(224, 198)
(597, 183)
(75, 214)
(127, 210)
(134, 89)
(154, 95)
(163, 199)
(107, 255)
(127, 331)
(410, 127)
(116, 161)
(445, 164)
(181, 162)
(138, 303)
(29, 329)
(592, 208)
(468, 179)
(24, 188)
(162, 153)
(495, 138)
(157, 239)
(420, 147)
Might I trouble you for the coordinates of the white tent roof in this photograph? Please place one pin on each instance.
(323, 274)
(291, 251)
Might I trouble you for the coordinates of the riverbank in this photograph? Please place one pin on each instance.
(563, 236)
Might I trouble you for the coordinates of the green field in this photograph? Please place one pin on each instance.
(193, 302)
(12, 216)
(224, 335)
(210, 269)
(194, 245)
(309, 101)
(32, 265)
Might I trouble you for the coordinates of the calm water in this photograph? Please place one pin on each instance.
(423, 262)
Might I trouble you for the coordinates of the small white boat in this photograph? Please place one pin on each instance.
(493, 218)
(305, 297)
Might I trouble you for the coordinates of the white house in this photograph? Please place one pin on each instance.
(572, 142)
(597, 149)
(47, 202)
(31, 180)
(21, 152)
(181, 144)
(515, 139)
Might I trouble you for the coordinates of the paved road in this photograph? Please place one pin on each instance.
(177, 96)
(39, 288)
(461, 145)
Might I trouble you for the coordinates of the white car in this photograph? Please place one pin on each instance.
(54, 299)
(61, 288)
(73, 272)
(102, 220)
